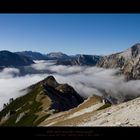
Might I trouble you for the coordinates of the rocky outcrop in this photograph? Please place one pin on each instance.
(128, 61)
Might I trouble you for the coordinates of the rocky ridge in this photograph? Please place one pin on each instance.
(128, 61)
(41, 101)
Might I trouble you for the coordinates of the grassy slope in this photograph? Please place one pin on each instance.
(28, 104)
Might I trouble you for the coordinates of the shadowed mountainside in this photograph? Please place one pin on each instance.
(9, 59)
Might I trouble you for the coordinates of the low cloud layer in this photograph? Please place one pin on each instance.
(11, 84)
(87, 81)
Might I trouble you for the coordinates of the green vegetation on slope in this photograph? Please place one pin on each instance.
(26, 104)
(42, 100)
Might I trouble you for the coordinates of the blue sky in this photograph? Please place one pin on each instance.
(69, 33)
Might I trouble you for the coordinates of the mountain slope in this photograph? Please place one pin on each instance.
(128, 61)
(74, 115)
(42, 100)
(11, 59)
(95, 113)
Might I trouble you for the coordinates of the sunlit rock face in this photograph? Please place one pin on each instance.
(63, 96)
(128, 61)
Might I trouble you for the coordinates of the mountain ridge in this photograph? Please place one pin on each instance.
(32, 55)
(41, 100)
(94, 113)
(128, 61)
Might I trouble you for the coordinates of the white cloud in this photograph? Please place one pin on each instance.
(8, 73)
(86, 81)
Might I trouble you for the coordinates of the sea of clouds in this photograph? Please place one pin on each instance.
(87, 81)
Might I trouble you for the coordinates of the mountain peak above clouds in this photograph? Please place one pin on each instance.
(51, 81)
(131, 52)
(41, 101)
(57, 55)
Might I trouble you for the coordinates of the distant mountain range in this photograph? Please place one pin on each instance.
(63, 59)
(40, 56)
(9, 59)
(128, 61)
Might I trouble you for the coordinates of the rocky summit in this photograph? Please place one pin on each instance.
(32, 55)
(128, 61)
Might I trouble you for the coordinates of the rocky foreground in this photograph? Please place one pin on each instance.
(94, 112)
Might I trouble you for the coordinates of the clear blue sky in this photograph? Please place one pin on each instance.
(69, 33)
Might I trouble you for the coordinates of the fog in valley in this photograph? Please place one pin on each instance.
(87, 81)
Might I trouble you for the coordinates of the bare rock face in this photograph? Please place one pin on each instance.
(111, 61)
(63, 96)
(128, 61)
